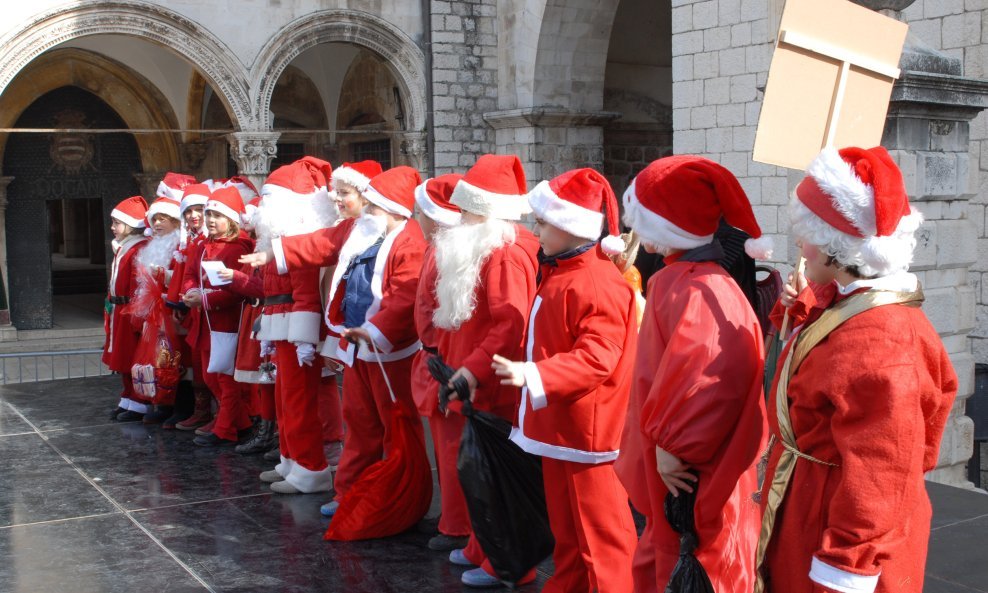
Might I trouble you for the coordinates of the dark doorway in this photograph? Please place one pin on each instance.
(65, 185)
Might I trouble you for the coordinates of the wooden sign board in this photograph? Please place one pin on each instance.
(830, 81)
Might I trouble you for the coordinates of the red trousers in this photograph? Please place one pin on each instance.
(297, 409)
(446, 434)
(262, 400)
(330, 409)
(367, 413)
(232, 414)
(591, 521)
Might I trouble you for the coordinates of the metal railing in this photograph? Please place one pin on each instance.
(31, 367)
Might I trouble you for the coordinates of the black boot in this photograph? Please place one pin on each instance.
(261, 441)
(159, 414)
(185, 401)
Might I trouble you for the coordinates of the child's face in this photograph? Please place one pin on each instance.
(163, 224)
(217, 225)
(817, 269)
(428, 226)
(552, 239)
(348, 200)
(119, 229)
(193, 218)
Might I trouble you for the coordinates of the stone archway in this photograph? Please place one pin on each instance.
(138, 19)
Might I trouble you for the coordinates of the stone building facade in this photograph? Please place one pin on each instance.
(612, 84)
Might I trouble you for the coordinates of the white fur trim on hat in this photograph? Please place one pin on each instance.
(190, 201)
(438, 214)
(760, 248)
(167, 191)
(575, 220)
(168, 209)
(350, 176)
(853, 198)
(481, 202)
(655, 229)
(217, 206)
(378, 199)
(137, 223)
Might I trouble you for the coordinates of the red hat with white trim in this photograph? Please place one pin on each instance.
(307, 177)
(356, 174)
(860, 193)
(251, 211)
(173, 185)
(247, 190)
(394, 190)
(678, 202)
(577, 202)
(165, 205)
(196, 194)
(432, 198)
(494, 187)
(227, 201)
(131, 212)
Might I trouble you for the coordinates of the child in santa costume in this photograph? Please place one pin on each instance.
(194, 198)
(434, 213)
(377, 259)
(295, 201)
(575, 380)
(220, 311)
(696, 418)
(127, 222)
(484, 290)
(862, 392)
(156, 263)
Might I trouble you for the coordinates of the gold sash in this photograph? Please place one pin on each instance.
(808, 339)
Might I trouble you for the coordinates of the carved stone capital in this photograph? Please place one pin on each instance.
(253, 153)
(193, 154)
(148, 182)
(414, 147)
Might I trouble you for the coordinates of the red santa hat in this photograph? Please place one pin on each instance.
(356, 174)
(853, 203)
(247, 190)
(307, 177)
(678, 202)
(251, 212)
(577, 202)
(173, 185)
(167, 206)
(196, 194)
(394, 190)
(432, 198)
(131, 212)
(494, 187)
(227, 201)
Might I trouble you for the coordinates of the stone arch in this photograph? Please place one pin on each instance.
(138, 19)
(138, 103)
(403, 56)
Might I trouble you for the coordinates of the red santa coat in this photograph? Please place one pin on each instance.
(504, 300)
(394, 283)
(580, 352)
(872, 399)
(425, 389)
(122, 331)
(222, 305)
(299, 319)
(248, 283)
(697, 394)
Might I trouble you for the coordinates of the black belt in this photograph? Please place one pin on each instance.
(430, 349)
(279, 299)
(119, 300)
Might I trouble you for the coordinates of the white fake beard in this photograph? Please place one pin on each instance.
(365, 232)
(159, 250)
(286, 216)
(460, 254)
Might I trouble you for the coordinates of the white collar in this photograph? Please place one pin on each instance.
(899, 282)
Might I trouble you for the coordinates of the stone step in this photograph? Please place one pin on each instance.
(54, 340)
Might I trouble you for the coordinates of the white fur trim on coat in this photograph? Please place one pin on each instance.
(438, 214)
(481, 202)
(303, 326)
(834, 578)
(565, 215)
(655, 229)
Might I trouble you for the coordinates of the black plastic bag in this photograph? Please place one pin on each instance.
(505, 496)
(688, 576)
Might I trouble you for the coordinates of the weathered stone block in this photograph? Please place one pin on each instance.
(690, 141)
(688, 93)
(752, 10)
(943, 309)
(936, 174)
(682, 68)
(705, 15)
(719, 140)
(717, 91)
(966, 309)
(729, 11)
(682, 19)
(706, 64)
(703, 117)
(775, 190)
(731, 114)
(758, 58)
(927, 30)
(732, 61)
(681, 119)
(962, 30)
(957, 243)
(743, 88)
(925, 253)
(741, 35)
(717, 38)
(744, 137)
(736, 162)
(767, 217)
(687, 43)
(938, 8)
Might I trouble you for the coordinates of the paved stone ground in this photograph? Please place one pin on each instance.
(92, 506)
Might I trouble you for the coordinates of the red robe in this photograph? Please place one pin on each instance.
(697, 394)
(425, 389)
(122, 331)
(504, 301)
(871, 398)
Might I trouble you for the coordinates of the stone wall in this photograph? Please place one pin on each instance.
(464, 81)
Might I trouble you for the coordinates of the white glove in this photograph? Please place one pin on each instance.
(267, 348)
(306, 353)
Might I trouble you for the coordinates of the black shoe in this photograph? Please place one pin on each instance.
(158, 415)
(129, 416)
(447, 543)
(260, 441)
(211, 440)
(273, 455)
(117, 412)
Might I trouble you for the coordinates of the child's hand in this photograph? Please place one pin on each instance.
(511, 373)
(226, 275)
(257, 259)
(792, 288)
(192, 299)
(674, 473)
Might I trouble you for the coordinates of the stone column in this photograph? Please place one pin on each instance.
(413, 150)
(550, 141)
(148, 184)
(927, 133)
(4, 286)
(253, 153)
